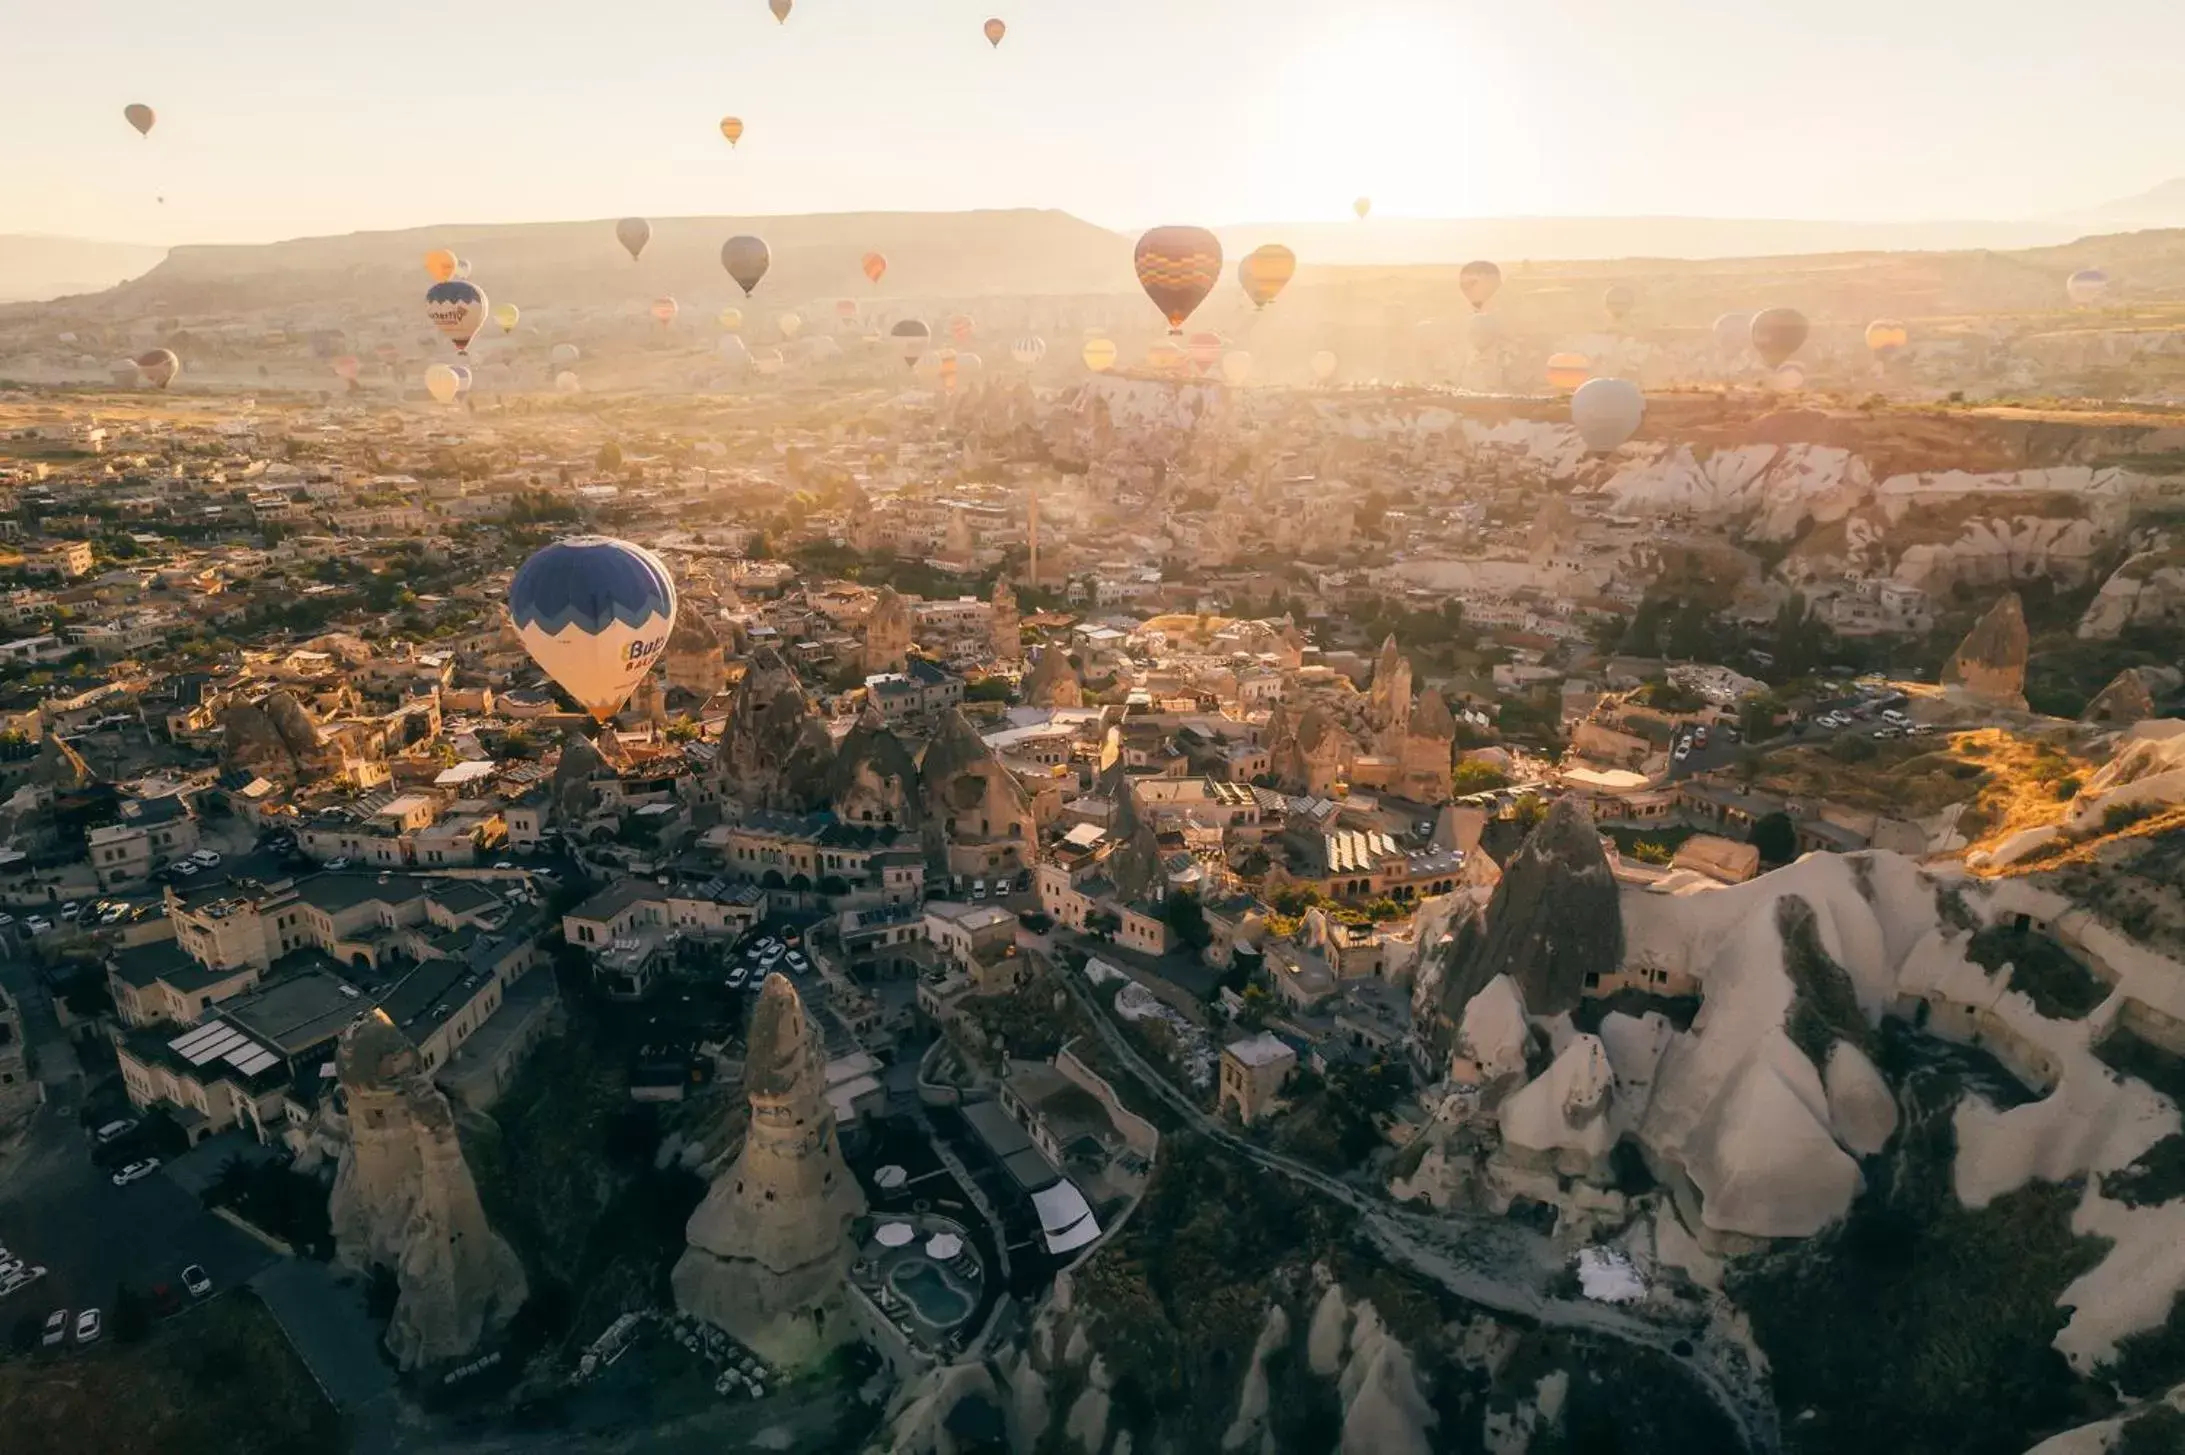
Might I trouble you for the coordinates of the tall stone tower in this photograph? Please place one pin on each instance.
(1053, 681)
(770, 1245)
(1388, 705)
(404, 1199)
(1008, 629)
(887, 633)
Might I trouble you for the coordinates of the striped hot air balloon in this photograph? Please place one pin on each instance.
(594, 613)
(1178, 267)
(1265, 272)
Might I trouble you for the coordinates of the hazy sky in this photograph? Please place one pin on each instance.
(279, 119)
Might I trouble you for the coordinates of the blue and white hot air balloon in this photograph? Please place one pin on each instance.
(595, 614)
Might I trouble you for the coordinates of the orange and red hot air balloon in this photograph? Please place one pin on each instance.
(876, 267)
(1178, 267)
(1265, 272)
(995, 30)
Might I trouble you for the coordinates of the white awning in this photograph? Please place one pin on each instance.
(894, 1235)
(1065, 1217)
(890, 1177)
(944, 1246)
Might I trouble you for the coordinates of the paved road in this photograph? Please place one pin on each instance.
(1484, 1260)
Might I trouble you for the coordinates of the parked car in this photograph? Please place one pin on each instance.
(209, 858)
(56, 1329)
(1684, 750)
(504, 864)
(11, 1266)
(87, 1326)
(17, 1281)
(337, 863)
(196, 1280)
(183, 870)
(136, 1172)
(6, 920)
(797, 962)
(114, 1131)
(37, 924)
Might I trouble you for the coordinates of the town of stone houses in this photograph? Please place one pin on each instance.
(1127, 914)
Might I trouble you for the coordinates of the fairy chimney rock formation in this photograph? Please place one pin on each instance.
(1007, 641)
(1054, 682)
(1555, 918)
(404, 1200)
(887, 632)
(1989, 666)
(770, 1245)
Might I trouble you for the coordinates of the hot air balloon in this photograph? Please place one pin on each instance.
(1098, 354)
(948, 369)
(1887, 338)
(780, 9)
(1619, 300)
(912, 336)
(995, 30)
(1167, 357)
(462, 268)
(1361, 206)
(159, 367)
(969, 362)
(732, 319)
(506, 314)
(1478, 282)
(1324, 366)
(140, 116)
(1788, 378)
(2086, 286)
(440, 263)
(1733, 333)
(845, 311)
(961, 328)
(442, 383)
(1204, 351)
(458, 310)
(1777, 334)
(876, 267)
(595, 614)
(789, 324)
(747, 260)
(565, 354)
(767, 361)
(567, 382)
(1568, 371)
(1178, 267)
(125, 373)
(462, 378)
(1028, 350)
(1606, 412)
(1485, 332)
(346, 367)
(664, 310)
(1236, 367)
(732, 349)
(732, 127)
(1265, 272)
(633, 233)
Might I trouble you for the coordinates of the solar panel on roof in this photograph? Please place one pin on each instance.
(197, 1035)
(257, 1063)
(217, 1046)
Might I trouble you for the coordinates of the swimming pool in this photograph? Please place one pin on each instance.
(938, 1298)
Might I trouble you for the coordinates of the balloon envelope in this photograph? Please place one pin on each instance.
(746, 258)
(565, 354)
(732, 127)
(995, 30)
(440, 263)
(961, 328)
(160, 367)
(1607, 412)
(458, 310)
(633, 233)
(1485, 331)
(664, 309)
(1478, 282)
(1568, 371)
(780, 9)
(346, 366)
(1619, 300)
(141, 117)
(767, 361)
(1099, 355)
(1265, 272)
(912, 336)
(789, 324)
(1788, 378)
(442, 383)
(1362, 206)
(1734, 333)
(1178, 267)
(1324, 365)
(462, 378)
(1028, 350)
(2087, 286)
(876, 266)
(732, 349)
(732, 319)
(1887, 338)
(595, 614)
(462, 267)
(567, 382)
(1777, 334)
(125, 373)
(506, 314)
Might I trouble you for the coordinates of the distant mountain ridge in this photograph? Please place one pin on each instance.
(34, 267)
(2160, 206)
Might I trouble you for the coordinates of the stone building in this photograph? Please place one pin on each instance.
(1388, 702)
(20, 1093)
(1252, 1073)
(775, 750)
(1312, 757)
(770, 1246)
(977, 816)
(404, 1200)
(1426, 750)
(887, 632)
(873, 779)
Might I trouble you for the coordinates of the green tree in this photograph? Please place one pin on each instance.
(1756, 715)
(1529, 810)
(1776, 837)
(1474, 776)
(1186, 920)
(682, 730)
(610, 458)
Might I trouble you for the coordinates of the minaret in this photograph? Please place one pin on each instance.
(1031, 530)
(770, 1245)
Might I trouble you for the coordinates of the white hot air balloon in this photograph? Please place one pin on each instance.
(733, 350)
(1789, 377)
(567, 382)
(1324, 366)
(595, 614)
(564, 355)
(2086, 286)
(1607, 412)
(791, 324)
(443, 383)
(767, 362)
